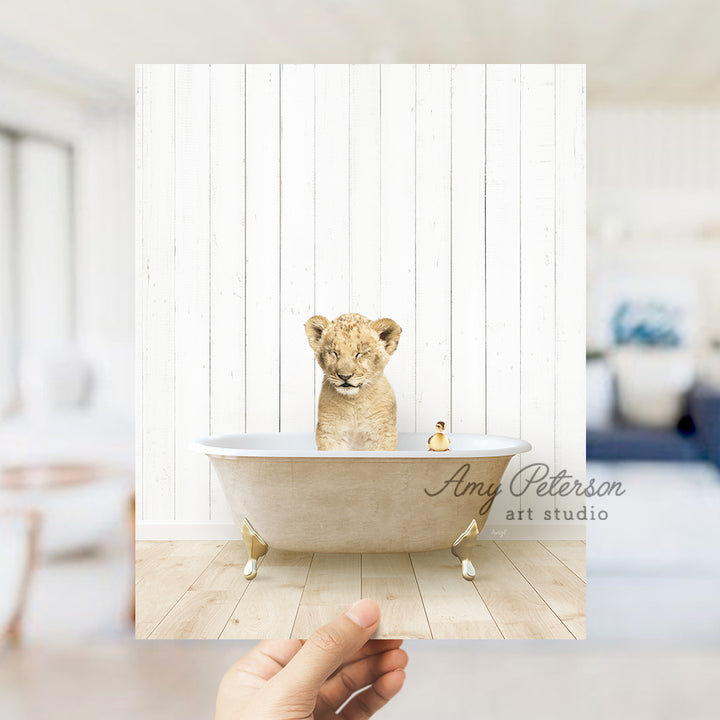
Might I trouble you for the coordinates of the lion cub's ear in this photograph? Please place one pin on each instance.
(389, 332)
(314, 329)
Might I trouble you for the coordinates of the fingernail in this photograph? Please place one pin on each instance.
(364, 613)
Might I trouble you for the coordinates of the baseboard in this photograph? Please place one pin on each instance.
(228, 531)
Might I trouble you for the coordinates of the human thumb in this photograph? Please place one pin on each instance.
(328, 648)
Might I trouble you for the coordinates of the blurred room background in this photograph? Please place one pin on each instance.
(66, 347)
(66, 343)
(653, 364)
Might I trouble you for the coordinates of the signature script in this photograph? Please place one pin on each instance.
(535, 476)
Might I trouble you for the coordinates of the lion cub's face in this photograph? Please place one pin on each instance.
(352, 350)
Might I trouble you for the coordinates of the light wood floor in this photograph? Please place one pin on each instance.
(196, 590)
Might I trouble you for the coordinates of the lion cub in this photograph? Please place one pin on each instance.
(357, 409)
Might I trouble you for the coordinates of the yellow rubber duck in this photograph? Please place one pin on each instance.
(439, 442)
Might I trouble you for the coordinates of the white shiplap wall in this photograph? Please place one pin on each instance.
(450, 198)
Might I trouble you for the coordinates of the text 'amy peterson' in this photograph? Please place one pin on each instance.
(535, 476)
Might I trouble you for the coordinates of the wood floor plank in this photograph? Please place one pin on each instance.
(333, 585)
(149, 549)
(148, 553)
(269, 605)
(577, 627)
(389, 579)
(571, 553)
(518, 610)
(197, 548)
(143, 630)
(225, 572)
(167, 577)
(197, 590)
(150, 556)
(198, 615)
(453, 606)
(559, 586)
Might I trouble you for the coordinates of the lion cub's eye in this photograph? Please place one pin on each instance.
(334, 353)
(357, 355)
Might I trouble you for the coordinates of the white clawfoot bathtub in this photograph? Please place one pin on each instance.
(285, 494)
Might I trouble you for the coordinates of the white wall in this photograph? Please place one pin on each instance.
(450, 198)
(66, 247)
(105, 256)
(45, 262)
(655, 168)
(654, 216)
(8, 333)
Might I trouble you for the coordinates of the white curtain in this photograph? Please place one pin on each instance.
(8, 339)
(36, 259)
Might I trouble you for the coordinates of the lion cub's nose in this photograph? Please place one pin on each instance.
(345, 377)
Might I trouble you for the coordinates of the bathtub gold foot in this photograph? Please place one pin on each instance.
(462, 548)
(256, 548)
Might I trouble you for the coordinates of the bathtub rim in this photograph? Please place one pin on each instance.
(507, 446)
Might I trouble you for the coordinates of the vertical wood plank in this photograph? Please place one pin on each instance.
(570, 275)
(365, 190)
(433, 247)
(537, 242)
(502, 269)
(227, 262)
(397, 219)
(332, 230)
(297, 247)
(468, 249)
(158, 293)
(192, 288)
(262, 250)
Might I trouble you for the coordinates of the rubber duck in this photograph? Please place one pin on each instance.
(439, 442)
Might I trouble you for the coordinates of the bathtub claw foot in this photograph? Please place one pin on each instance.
(256, 548)
(462, 548)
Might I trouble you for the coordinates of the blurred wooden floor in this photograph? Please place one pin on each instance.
(522, 589)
